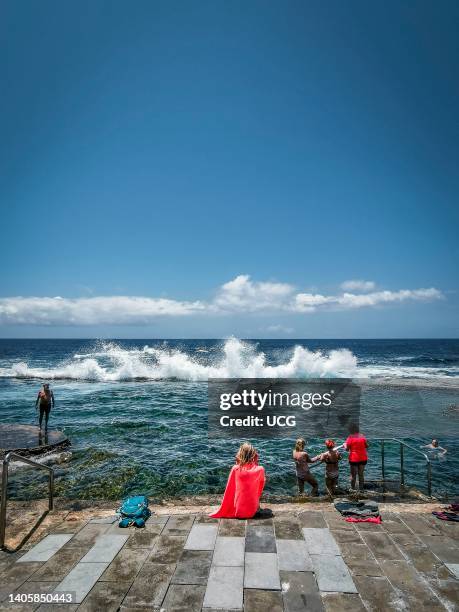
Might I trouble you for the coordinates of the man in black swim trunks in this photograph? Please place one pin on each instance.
(45, 400)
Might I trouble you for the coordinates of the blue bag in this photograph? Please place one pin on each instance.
(134, 511)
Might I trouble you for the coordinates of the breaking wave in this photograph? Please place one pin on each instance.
(238, 359)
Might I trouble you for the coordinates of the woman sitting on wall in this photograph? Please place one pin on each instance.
(244, 487)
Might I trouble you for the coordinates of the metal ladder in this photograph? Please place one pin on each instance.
(6, 461)
(404, 445)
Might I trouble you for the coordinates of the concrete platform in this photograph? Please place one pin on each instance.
(298, 560)
(29, 440)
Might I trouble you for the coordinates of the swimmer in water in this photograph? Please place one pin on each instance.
(435, 447)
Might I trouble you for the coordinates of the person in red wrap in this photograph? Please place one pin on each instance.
(356, 445)
(244, 487)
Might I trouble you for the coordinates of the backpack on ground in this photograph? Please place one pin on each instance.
(134, 511)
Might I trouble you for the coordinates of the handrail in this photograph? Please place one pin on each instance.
(402, 460)
(6, 461)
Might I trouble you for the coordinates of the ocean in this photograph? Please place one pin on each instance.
(136, 410)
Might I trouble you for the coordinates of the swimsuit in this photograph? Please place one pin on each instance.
(330, 471)
(301, 464)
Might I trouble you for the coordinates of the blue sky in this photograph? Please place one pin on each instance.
(164, 149)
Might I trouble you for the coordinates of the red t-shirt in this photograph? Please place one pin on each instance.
(356, 444)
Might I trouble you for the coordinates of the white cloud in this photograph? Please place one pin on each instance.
(117, 310)
(280, 329)
(308, 302)
(358, 285)
(241, 295)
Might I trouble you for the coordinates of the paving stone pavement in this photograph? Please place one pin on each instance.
(309, 560)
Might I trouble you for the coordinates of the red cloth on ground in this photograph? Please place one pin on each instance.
(243, 491)
(370, 519)
(356, 444)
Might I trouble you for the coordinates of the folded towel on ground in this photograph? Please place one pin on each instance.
(363, 509)
(370, 519)
(447, 516)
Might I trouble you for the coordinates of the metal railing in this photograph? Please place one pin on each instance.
(404, 445)
(6, 461)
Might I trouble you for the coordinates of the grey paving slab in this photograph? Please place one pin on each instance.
(300, 592)
(70, 526)
(447, 590)
(60, 564)
(360, 560)
(81, 579)
(293, 556)
(419, 524)
(232, 527)
(141, 538)
(105, 549)
(261, 571)
(229, 551)
(261, 520)
(183, 598)
(205, 518)
(125, 566)
(168, 549)
(44, 550)
(35, 586)
(260, 538)
(154, 528)
(104, 520)
(378, 595)
(343, 536)
(202, 537)
(406, 539)
(193, 567)
(422, 559)
(320, 541)
(332, 574)
(446, 549)
(157, 519)
(179, 525)
(224, 588)
(448, 528)
(404, 577)
(453, 568)
(221, 610)
(88, 534)
(150, 586)
(287, 528)
(312, 518)
(335, 520)
(106, 596)
(369, 527)
(342, 602)
(381, 546)
(392, 523)
(15, 575)
(259, 601)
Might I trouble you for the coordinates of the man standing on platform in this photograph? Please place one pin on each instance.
(45, 400)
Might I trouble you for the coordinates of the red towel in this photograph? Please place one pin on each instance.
(370, 519)
(243, 491)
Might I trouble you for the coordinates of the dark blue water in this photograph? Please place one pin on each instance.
(136, 411)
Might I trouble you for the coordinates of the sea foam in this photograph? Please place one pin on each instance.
(237, 359)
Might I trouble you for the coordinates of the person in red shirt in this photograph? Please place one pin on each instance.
(356, 445)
